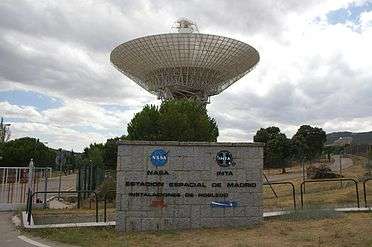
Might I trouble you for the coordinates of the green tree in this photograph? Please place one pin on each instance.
(277, 151)
(175, 120)
(309, 142)
(19, 152)
(264, 135)
(94, 154)
(1, 150)
(145, 125)
(70, 161)
(110, 152)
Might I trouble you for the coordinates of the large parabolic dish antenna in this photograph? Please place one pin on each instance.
(186, 64)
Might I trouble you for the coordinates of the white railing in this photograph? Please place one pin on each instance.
(14, 182)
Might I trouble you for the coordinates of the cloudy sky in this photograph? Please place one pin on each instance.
(57, 83)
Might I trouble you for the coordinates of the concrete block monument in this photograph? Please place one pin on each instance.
(185, 185)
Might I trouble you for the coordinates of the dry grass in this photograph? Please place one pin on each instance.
(345, 230)
(325, 194)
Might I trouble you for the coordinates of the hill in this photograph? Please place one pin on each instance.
(358, 138)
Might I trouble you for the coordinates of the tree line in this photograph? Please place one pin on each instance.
(173, 120)
(306, 145)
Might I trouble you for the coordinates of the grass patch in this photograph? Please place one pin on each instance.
(301, 229)
(312, 214)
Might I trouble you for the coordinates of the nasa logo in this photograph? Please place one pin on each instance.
(159, 157)
(224, 159)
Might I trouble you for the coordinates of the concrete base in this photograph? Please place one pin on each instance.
(67, 225)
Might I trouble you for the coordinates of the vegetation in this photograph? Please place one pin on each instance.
(321, 172)
(277, 153)
(181, 120)
(110, 152)
(174, 120)
(19, 152)
(329, 150)
(341, 230)
(308, 142)
(101, 155)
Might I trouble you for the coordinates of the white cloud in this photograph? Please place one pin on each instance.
(311, 72)
(15, 111)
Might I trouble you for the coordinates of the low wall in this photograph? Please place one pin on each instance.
(184, 185)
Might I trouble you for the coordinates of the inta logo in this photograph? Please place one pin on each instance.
(224, 159)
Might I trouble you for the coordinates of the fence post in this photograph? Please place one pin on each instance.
(79, 188)
(294, 196)
(357, 192)
(85, 180)
(302, 195)
(45, 187)
(293, 190)
(105, 209)
(96, 206)
(365, 191)
(29, 209)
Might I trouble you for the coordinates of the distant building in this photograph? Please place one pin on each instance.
(343, 141)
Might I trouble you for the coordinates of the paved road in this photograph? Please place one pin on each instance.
(8, 234)
(345, 163)
(335, 166)
(10, 237)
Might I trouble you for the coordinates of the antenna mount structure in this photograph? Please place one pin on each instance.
(185, 64)
(184, 25)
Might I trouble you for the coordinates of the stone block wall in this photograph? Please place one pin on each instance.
(190, 188)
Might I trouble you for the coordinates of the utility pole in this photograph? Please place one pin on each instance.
(4, 131)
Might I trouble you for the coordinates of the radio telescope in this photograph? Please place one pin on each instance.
(186, 63)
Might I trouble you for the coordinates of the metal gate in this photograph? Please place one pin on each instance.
(89, 177)
(14, 182)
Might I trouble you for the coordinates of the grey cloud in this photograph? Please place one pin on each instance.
(66, 33)
(98, 26)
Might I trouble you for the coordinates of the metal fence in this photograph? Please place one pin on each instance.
(14, 183)
(358, 149)
(88, 178)
(284, 183)
(329, 180)
(31, 200)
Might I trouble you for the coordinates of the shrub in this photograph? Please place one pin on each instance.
(321, 172)
(108, 186)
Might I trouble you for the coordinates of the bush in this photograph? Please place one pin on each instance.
(107, 187)
(321, 172)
